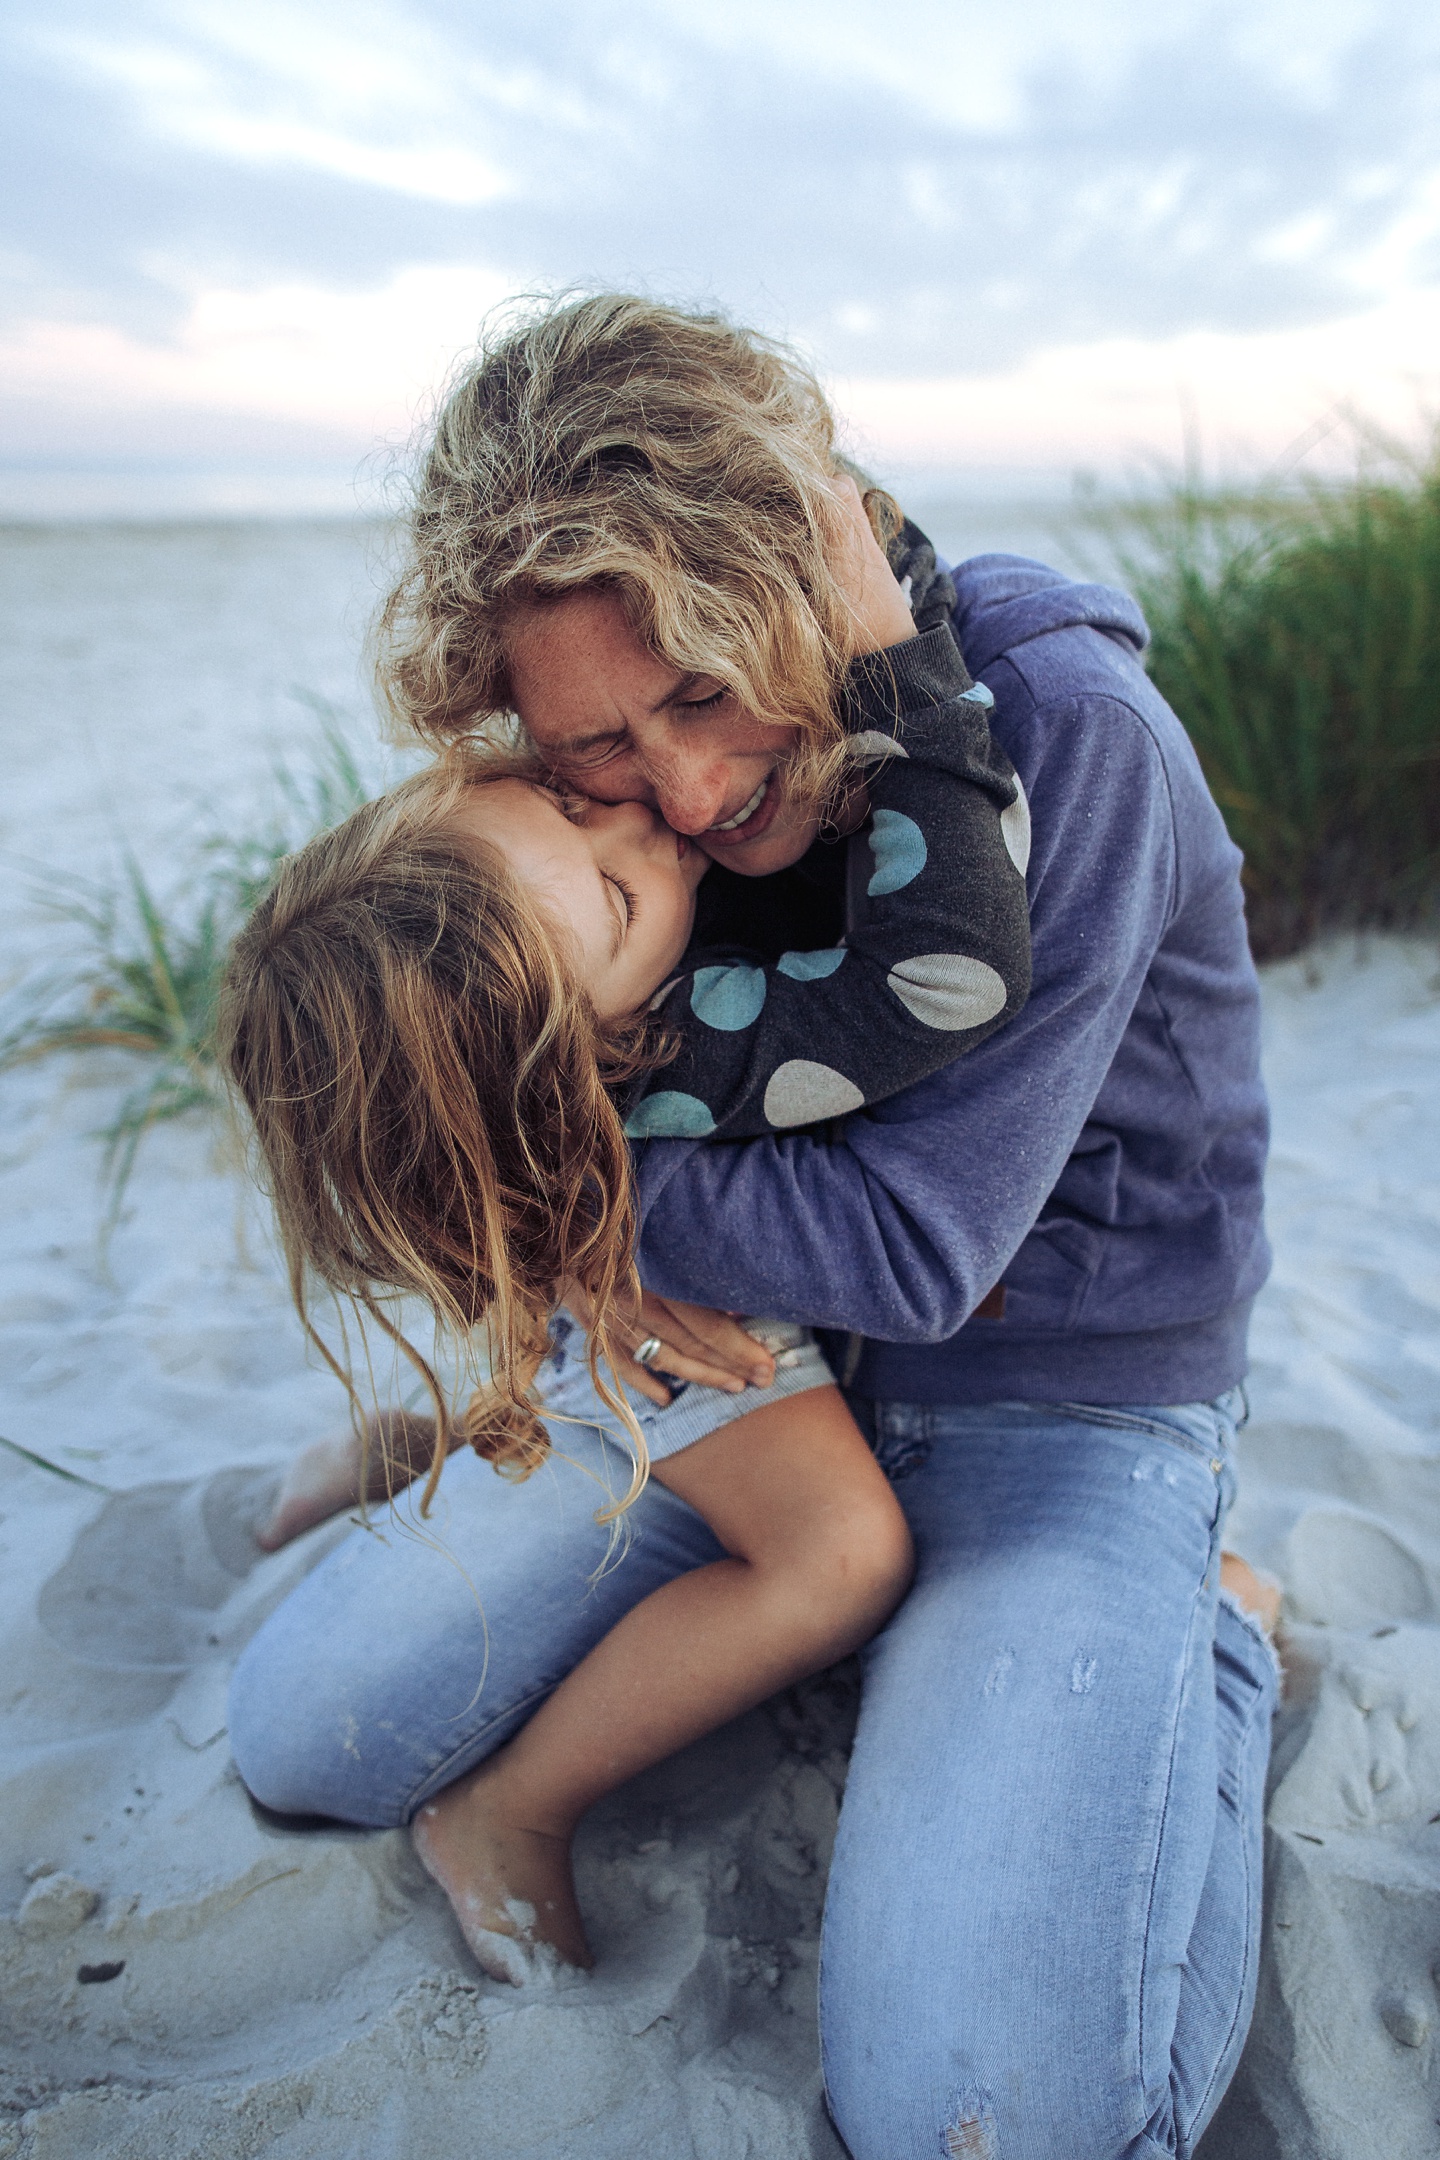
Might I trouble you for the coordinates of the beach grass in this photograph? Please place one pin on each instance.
(1296, 632)
(142, 975)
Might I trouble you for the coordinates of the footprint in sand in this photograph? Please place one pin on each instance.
(1348, 1570)
(143, 1582)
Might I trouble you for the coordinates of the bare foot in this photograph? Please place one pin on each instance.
(326, 1476)
(510, 1886)
(323, 1478)
(1257, 1593)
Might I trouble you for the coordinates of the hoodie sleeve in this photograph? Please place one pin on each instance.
(936, 956)
(898, 1227)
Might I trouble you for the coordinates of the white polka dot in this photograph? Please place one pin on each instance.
(948, 990)
(872, 744)
(1015, 830)
(801, 1091)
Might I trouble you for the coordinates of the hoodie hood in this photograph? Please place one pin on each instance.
(1006, 600)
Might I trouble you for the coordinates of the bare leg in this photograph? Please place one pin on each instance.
(1257, 1593)
(326, 1476)
(821, 1556)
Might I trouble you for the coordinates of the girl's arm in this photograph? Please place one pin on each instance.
(936, 956)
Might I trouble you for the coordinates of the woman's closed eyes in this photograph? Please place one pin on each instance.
(590, 753)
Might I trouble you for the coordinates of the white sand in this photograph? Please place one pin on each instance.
(308, 1995)
(1340, 1496)
(302, 1997)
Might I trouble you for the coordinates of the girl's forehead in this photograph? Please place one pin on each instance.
(543, 847)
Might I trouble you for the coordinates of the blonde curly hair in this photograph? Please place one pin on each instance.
(671, 457)
(432, 1095)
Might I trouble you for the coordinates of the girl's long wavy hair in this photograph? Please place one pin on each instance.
(670, 457)
(431, 1094)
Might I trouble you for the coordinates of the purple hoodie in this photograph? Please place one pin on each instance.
(1102, 1156)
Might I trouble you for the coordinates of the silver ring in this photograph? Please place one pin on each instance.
(646, 1352)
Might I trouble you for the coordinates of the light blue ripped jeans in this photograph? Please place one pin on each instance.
(1042, 1923)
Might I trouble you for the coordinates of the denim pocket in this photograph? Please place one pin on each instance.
(1199, 1428)
(1205, 1432)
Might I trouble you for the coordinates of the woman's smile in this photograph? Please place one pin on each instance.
(746, 819)
(619, 723)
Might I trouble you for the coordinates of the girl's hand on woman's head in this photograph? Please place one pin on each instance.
(696, 1344)
(880, 613)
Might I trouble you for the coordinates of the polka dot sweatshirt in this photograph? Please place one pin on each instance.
(934, 952)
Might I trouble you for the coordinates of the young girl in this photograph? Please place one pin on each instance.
(433, 1018)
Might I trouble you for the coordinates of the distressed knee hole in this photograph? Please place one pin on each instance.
(970, 2133)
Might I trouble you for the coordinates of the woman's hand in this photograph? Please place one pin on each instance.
(880, 613)
(695, 1344)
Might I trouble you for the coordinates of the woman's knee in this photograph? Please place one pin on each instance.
(880, 2114)
(264, 1772)
(272, 1746)
(886, 2105)
(306, 1740)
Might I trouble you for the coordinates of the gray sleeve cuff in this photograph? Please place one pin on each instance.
(882, 688)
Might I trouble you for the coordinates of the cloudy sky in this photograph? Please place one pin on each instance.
(245, 239)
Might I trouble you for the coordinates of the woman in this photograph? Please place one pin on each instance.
(1035, 1268)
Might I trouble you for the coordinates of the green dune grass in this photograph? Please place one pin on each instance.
(143, 977)
(1297, 635)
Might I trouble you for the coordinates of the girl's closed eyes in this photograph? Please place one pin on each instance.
(627, 894)
(620, 883)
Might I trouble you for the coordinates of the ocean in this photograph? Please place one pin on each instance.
(154, 674)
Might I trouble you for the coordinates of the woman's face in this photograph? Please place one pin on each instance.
(623, 726)
(614, 874)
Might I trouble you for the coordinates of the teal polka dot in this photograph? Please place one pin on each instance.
(727, 997)
(899, 849)
(669, 1115)
(811, 966)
